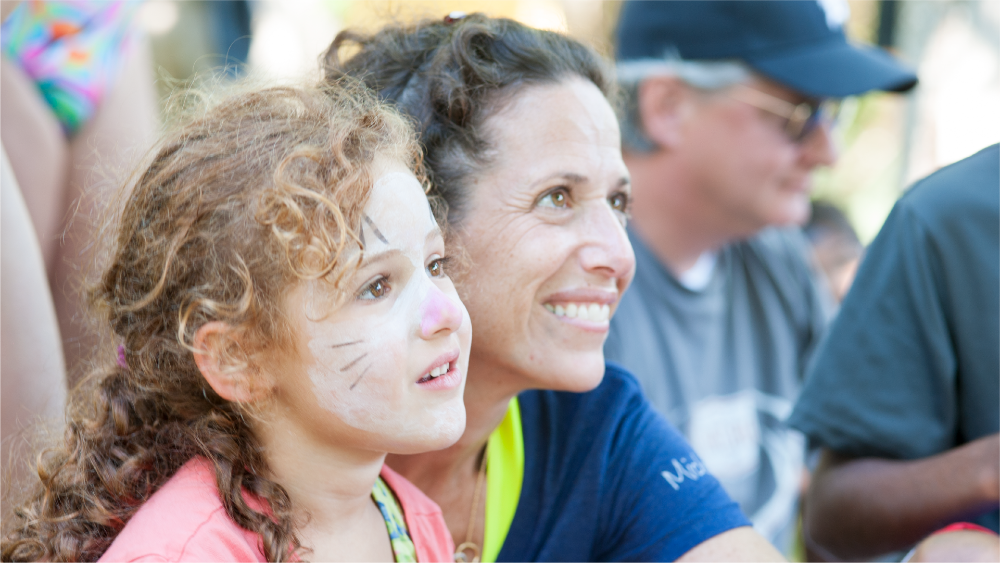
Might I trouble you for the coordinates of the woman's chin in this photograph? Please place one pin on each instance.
(576, 372)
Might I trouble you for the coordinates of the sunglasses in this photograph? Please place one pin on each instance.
(800, 120)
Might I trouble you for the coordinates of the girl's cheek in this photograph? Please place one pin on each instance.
(351, 373)
(342, 357)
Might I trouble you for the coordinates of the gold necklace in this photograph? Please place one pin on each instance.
(468, 544)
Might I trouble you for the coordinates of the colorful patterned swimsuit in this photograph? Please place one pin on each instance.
(71, 50)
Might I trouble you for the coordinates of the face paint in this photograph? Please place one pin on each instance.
(437, 310)
(363, 363)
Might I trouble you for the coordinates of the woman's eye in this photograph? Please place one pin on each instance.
(557, 198)
(619, 202)
(376, 289)
(436, 268)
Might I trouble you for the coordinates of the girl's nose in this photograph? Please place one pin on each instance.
(439, 313)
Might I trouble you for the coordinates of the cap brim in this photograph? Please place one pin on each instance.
(836, 69)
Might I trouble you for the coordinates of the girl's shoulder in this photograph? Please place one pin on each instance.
(185, 521)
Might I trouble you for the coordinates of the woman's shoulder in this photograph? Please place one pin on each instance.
(613, 415)
(604, 465)
(185, 521)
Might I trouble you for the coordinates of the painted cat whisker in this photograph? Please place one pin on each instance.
(354, 361)
(346, 344)
(356, 381)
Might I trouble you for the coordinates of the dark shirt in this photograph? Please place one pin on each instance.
(911, 366)
(725, 362)
(607, 479)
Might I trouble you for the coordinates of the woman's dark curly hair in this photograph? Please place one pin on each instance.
(240, 202)
(451, 75)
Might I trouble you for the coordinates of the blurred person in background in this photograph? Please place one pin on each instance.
(31, 375)
(562, 459)
(727, 114)
(78, 106)
(31, 362)
(903, 393)
(835, 246)
(231, 33)
(957, 542)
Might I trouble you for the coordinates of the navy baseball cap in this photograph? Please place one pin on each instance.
(797, 43)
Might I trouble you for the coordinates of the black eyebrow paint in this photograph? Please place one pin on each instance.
(377, 232)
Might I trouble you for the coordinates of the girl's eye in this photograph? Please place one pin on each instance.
(557, 198)
(376, 289)
(436, 267)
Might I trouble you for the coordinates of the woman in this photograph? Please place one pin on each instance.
(524, 147)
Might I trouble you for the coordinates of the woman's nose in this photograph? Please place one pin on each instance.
(606, 249)
(439, 313)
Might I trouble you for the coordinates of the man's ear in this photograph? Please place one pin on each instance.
(228, 374)
(663, 104)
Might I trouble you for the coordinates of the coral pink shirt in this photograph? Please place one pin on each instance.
(185, 521)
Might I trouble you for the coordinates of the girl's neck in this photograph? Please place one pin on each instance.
(331, 487)
(330, 491)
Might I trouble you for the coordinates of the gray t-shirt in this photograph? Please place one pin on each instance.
(911, 367)
(725, 363)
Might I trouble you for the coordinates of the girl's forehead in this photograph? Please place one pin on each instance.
(397, 213)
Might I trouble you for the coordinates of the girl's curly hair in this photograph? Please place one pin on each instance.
(240, 201)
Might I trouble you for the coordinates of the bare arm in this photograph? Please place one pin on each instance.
(858, 508)
(6, 7)
(958, 546)
(738, 544)
(32, 376)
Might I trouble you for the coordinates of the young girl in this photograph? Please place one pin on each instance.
(282, 319)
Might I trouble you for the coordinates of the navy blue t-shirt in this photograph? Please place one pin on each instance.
(607, 479)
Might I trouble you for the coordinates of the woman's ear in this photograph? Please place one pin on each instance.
(663, 103)
(232, 379)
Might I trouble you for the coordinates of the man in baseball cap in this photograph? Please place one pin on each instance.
(728, 111)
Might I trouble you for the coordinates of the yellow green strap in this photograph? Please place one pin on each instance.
(403, 549)
(504, 474)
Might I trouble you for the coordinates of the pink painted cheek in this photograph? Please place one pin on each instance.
(439, 312)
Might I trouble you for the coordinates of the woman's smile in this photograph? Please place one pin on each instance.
(586, 308)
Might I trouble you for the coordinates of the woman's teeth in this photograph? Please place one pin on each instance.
(582, 311)
(437, 372)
